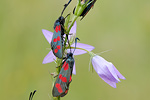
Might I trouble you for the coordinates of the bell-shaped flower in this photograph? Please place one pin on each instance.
(50, 57)
(106, 70)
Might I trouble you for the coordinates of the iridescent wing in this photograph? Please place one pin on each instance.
(63, 80)
(56, 43)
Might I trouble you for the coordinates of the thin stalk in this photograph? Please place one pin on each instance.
(72, 22)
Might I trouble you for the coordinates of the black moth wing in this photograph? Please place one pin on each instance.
(70, 61)
(56, 43)
(63, 80)
(87, 9)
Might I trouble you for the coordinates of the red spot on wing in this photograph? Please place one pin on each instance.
(58, 38)
(55, 40)
(56, 29)
(58, 46)
(60, 76)
(56, 50)
(64, 79)
(70, 79)
(59, 27)
(57, 85)
(66, 91)
(65, 66)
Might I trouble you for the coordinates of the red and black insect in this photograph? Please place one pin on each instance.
(87, 9)
(57, 39)
(63, 80)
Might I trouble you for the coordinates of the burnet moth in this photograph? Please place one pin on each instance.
(57, 39)
(63, 80)
(31, 95)
(87, 9)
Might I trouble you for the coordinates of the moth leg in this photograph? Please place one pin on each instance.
(55, 75)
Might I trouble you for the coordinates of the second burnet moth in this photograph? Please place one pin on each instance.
(57, 39)
(64, 77)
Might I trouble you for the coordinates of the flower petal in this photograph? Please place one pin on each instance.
(73, 28)
(101, 67)
(49, 57)
(118, 73)
(79, 51)
(72, 33)
(113, 84)
(74, 69)
(112, 71)
(48, 35)
(106, 70)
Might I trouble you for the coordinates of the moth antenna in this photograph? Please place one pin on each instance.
(68, 43)
(66, 16)
(34, 92)
(76, 43)
(31, 95)
(65, 7)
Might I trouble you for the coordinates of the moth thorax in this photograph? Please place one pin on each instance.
(69, 55)
(61, 20)
(71, 61)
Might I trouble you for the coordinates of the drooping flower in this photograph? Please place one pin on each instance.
(106, 70)
(50, 57)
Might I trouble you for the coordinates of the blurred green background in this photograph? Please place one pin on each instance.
(120, 25)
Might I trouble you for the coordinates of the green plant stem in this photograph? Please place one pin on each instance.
(56, 98)
(72, 22)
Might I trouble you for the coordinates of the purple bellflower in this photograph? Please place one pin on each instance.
(50, 57)
(106, 70)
